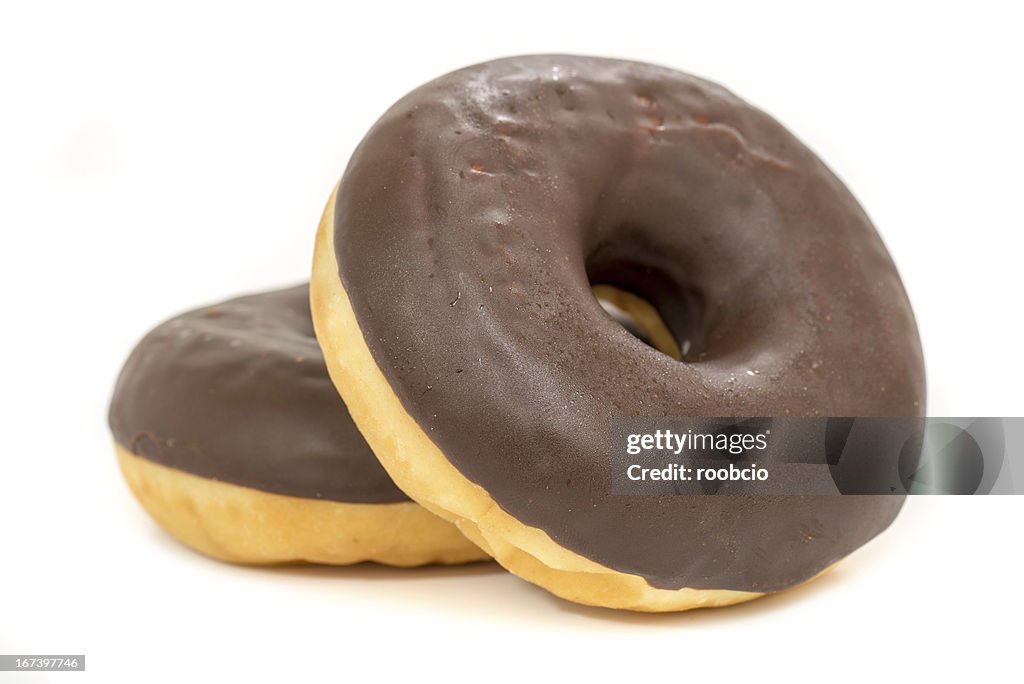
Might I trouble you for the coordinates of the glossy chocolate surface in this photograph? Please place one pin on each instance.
(239, 392)
(469, 227)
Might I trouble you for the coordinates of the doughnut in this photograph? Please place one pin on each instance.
(454, 294)
(230, 434)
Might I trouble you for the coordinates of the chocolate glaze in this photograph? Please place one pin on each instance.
(239, 392)
(474, 217)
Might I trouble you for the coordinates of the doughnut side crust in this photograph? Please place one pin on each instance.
(243, 525)
(416, 464)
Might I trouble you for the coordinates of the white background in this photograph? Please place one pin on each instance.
(155, 159)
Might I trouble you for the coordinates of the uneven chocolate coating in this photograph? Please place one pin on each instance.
(469, 226)
(239, 392)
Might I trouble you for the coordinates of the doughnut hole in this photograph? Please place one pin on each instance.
(652, 307)
(639, 318)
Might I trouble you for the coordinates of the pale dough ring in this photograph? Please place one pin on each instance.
(244, 525)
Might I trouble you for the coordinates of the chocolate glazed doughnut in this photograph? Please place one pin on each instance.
(230, 434)
(453, 296)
